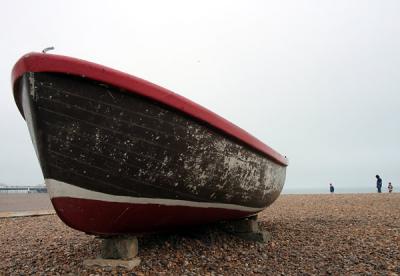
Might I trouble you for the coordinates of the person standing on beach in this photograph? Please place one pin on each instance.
(390, 187)
(379, 183)
(331, 188)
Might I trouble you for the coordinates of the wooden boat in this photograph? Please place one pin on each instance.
(122, 155)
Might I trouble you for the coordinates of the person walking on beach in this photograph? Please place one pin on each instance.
(390, 187)
(331, 188)
(379, 183)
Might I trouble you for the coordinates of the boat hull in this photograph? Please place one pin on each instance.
(116, 162)
(99, 213)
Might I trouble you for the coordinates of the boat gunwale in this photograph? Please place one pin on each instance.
(50, 63)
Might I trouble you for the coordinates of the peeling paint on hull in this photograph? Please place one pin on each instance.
(102, 139)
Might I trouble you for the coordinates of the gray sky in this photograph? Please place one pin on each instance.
(318, 81)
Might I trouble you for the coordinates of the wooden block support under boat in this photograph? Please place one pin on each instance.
(121, 247)
(119, 251)
(247, 229)
(262, 236)
(244, 225)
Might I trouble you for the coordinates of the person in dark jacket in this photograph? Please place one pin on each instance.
(379, 183)
(331, 188)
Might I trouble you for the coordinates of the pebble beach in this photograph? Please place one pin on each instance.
(340, 234)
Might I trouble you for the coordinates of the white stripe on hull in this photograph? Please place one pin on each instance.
(61, 189)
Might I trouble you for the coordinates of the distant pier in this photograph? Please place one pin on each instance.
(23, 189)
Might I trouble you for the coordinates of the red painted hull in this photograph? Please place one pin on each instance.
(107, 218)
